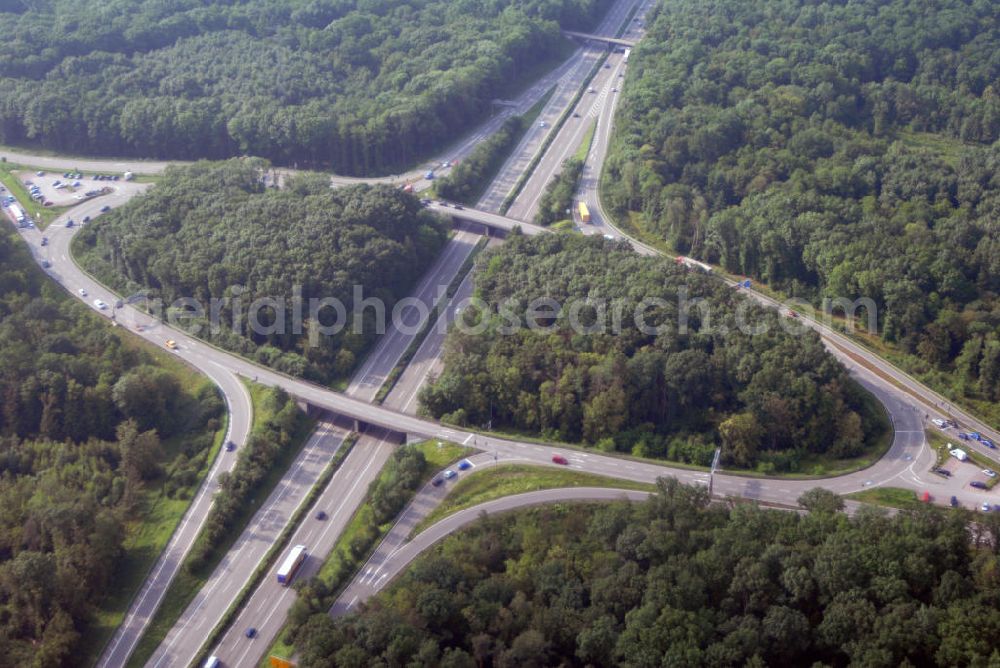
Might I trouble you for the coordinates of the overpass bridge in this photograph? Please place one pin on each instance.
(613, 41)
(484, 222)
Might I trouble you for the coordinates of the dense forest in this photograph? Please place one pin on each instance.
(675, 582)
(213, 231)
(362, 86)
(770, 397)
(840, 150)
(87, 425)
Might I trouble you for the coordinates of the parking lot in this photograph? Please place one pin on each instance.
(59, 189)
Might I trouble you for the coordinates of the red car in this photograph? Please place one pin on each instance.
(559, 459)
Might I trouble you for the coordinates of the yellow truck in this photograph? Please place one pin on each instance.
(584, 212)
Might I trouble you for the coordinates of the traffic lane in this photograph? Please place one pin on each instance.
(359, 591)
(183, 640)
(569, 139)
(391, 346)
(426, 361)
(534, 136)
(267, 609)
(109, 166)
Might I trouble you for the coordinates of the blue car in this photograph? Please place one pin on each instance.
(988, 443)
(464, 465)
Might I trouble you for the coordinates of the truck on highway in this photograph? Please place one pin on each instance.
(584, 212)
(291, 564)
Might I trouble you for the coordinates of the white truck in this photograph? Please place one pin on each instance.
(959, 454)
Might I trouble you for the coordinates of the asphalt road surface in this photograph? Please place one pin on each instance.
(530, 144)
(267, 608)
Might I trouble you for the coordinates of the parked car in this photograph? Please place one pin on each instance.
(449, 474)
(989, 473)
(437, 481)
(978, 484)
(944, 473)
(985, 507)
(464, 465)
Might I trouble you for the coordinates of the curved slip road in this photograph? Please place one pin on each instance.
(240, 409)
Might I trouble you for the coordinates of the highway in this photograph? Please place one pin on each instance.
(905, 465)
(235, 394)
(567, 86)
(267, 608)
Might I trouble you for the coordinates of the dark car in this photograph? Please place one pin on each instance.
(954, 502)
(251, 632)
(978, 484)
(944, 473)
(321, 515)
(437, 482)
(559, 459)
(459, 206)
(105, 208)
(230, 446)
(86, 219)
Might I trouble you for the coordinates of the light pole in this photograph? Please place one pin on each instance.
(711, 473)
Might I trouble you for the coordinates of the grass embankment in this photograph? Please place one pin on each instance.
(188, 582)
(158, 514)
(494, 482)
(339, 566)
(890, 497)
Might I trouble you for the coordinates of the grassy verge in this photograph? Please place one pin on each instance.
(187, 583)
(494, 482)
(339, 566)
(588, 139)
(159, 513)
(276, 549)
(891, 497)
(411, 350)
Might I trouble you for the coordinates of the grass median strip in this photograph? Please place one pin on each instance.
(494, 482)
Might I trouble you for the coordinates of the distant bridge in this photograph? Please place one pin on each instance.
(616, 41)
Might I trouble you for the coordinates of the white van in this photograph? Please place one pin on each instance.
(959, 454)
(212, 662)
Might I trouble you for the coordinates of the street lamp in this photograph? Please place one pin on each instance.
(711, 473)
